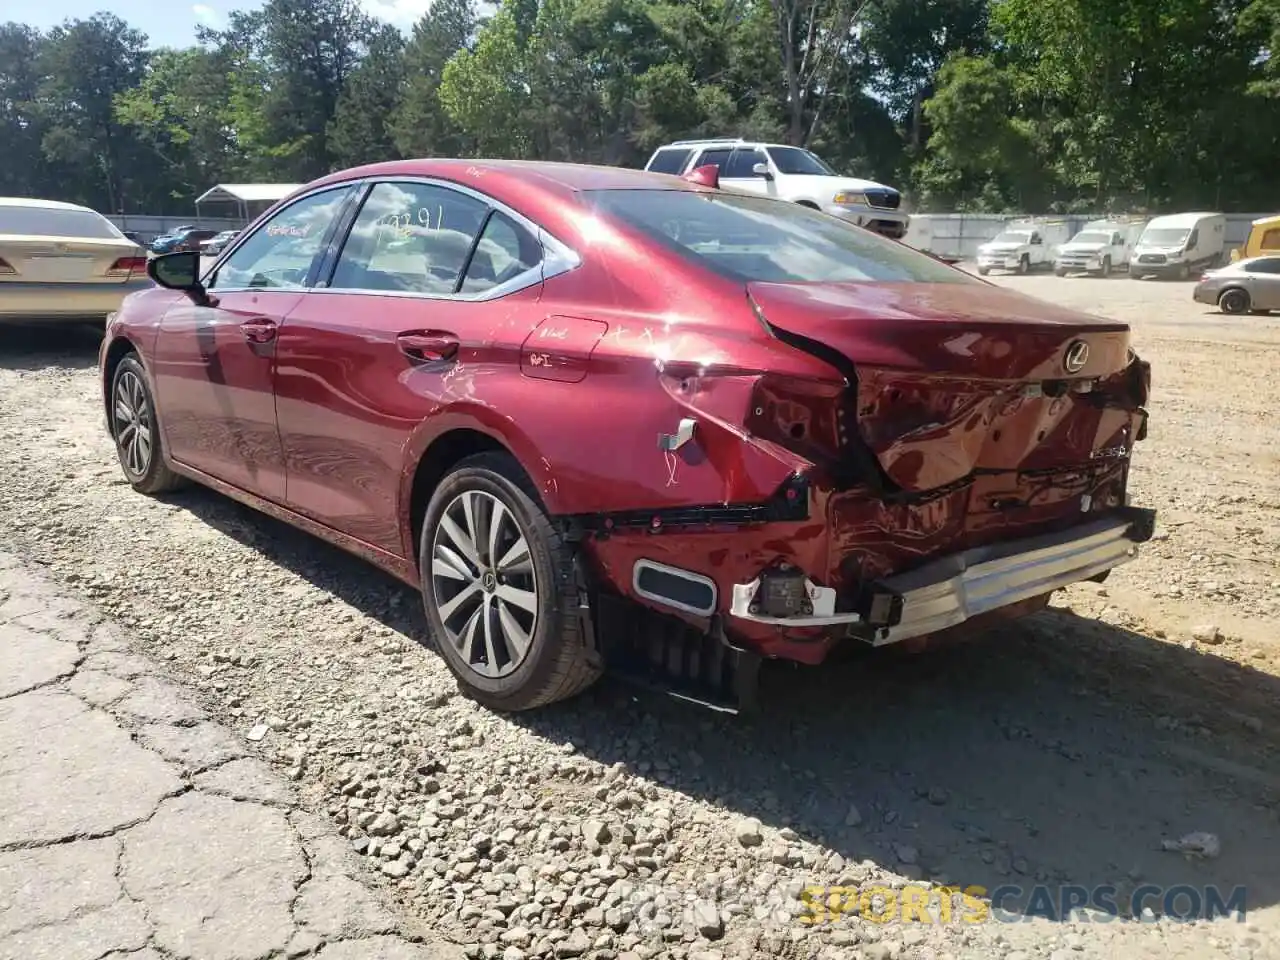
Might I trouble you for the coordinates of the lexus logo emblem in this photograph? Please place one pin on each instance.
(1076, 357)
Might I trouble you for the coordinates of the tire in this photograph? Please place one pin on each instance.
(983, 271)
(135, 428)
(1059, 272)
(1106, 266)
(1234, 300)
(1024, 265)
(537, 600)
(1184, 272)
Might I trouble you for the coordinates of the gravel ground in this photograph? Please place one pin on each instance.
(1066, 750)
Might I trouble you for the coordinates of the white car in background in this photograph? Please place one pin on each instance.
(1023, 245)
(788, 173)
(1102, 246)
(64, 262)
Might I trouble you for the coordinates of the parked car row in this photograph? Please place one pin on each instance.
(1177, 245)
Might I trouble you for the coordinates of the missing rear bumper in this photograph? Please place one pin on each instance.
(954, 589)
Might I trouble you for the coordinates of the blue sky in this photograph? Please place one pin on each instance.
(173, 22)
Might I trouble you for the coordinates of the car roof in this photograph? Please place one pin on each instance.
(1181, 219)
(551, 175)
(42, 204)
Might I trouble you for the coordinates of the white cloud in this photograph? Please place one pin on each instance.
(209, 17)
(402, 13)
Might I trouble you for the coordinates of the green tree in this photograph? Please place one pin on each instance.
(21, 122)
(421, 126)
(361, 128)
(85, 65)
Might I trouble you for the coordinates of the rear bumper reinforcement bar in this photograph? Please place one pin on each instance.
(954, 589)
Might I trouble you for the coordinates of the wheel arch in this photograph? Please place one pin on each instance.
(119, 348)
(805, 202)
(445, 440)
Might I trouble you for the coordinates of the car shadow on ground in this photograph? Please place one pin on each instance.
(48, 345)
(1056, 754)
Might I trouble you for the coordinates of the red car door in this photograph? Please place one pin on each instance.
(380, 343)
(213, 365)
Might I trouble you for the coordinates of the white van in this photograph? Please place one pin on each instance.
(1102, 246)
(1023, 245)
(1178, 245)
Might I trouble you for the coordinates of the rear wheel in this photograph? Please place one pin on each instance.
(500, 591)
(1234, 300)
(131, 414)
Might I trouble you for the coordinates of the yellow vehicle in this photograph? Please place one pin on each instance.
(1264, 237)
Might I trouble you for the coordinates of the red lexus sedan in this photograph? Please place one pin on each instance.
(553, 397)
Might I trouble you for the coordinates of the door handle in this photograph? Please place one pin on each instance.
(259, 330)
(430, 346)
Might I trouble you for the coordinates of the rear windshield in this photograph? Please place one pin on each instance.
(56, 222)
(757, 239)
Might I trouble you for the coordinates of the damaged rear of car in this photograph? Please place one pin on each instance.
(942, 452)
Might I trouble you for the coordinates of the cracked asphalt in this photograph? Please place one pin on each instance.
(132, 826)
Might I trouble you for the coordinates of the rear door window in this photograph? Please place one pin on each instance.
(668, 161)
(718, 158)
(409, 238)
(1269, 265)
(740, 164)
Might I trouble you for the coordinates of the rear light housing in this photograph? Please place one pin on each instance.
(806, 417)
(127, 266)
(5, 269)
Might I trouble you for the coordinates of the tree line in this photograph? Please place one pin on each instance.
(976, 105)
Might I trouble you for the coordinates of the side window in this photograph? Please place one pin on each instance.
(668, 161)
(1194, 238)
(1035, 239)
(1116, 240)
(1269, 265)
(1271, 240)
(505, 251)
(719, 157)
(741, 162)
(280, 252)
(409, 238)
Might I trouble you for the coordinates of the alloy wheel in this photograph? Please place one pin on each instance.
(134, 424)
(483, 583)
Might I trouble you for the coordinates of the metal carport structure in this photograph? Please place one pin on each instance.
(250, 199)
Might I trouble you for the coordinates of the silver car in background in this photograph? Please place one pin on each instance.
(1246, 286)
(63, 262)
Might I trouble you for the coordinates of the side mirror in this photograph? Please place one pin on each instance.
(179, 271)
(762, 170)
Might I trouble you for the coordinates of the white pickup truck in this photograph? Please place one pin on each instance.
(1023, 245)
(1102, 246)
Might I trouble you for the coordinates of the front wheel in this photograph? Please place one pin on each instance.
(499, 588)
(1024, 265)
(1234, 300)
(131, 414)
(1106, 266)
(983, 271)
